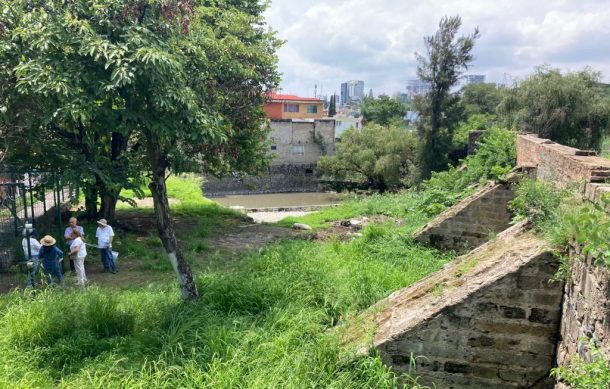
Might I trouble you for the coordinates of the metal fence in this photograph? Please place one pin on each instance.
(29, 197)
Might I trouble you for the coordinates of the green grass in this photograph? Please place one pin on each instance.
(263, 322)
(402, 205)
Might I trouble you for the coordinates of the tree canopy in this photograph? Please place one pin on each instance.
(158, 87)
(572, 109)
(480, 99)
(379, 157)
(446, 58)
(383, 110)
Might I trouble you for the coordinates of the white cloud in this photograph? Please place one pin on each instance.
(329, 42)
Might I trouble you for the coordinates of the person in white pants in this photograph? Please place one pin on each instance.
(79, 248)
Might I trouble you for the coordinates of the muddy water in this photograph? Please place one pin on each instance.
(278, 200)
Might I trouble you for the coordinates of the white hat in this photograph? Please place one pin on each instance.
(102, 222)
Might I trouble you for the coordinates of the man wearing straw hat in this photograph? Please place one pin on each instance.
(104, 235)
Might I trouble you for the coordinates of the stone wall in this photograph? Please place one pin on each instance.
(586, 302)
(280, 179)
(471, 222)
(561, 164)
(586, 308)
(489, 319)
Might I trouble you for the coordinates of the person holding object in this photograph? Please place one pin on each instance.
(50, 255)
(104, 235)
(31, 248)
(69, 237)
(78, 249)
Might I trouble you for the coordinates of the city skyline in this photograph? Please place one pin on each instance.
(328, 42)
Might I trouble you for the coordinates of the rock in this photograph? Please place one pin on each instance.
(355, 223)
(355, 235)
(301, 226)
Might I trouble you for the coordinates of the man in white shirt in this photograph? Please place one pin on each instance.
(104, 235)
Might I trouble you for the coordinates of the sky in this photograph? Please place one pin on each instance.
(328, 42)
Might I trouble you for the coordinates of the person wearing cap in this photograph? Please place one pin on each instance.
(69, 237)
(50, 255)
(104, 235)
(78, 249)
(31, 248)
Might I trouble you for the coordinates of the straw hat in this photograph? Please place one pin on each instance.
(102, 222)
(48, 240)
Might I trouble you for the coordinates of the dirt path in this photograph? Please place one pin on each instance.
(247, 237)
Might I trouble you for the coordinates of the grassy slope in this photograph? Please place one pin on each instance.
(262, 323)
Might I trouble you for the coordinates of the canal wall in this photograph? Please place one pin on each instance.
(284, 178)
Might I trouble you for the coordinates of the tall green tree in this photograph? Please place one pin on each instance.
(447, 56)
(379, 157)
(183, 81)
(572, 109)
(332, 106)
(383, 110)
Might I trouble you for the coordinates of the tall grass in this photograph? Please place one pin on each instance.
(262, 324)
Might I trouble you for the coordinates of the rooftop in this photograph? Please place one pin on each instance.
(276, 96)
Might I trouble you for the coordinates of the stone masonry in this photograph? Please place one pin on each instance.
(472, 221)
(586, 307)
(586, 302)
(489, 319)
(560, 164)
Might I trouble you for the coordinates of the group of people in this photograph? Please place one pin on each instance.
(45, 252)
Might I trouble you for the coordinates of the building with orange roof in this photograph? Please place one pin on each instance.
(293, 107)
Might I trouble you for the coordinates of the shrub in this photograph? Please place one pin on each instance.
(594, 374)
(537, 200)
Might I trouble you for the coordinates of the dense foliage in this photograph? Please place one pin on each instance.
(101, 80)
(572, 109)
(376, 156)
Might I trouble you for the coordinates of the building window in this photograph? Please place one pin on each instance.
(273, 147)
(298, 149)
(291, 108)
(312, 108)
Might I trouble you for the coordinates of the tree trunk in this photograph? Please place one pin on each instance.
(90, 202)
(165, 226)
(108, 205)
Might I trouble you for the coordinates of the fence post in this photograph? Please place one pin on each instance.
(31, 198)
(58, 206)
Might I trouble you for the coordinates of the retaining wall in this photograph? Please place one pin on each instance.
(490, 319)
(472, 221)
(280, 179)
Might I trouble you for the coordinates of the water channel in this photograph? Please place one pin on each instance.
(278, 200)
(264, 207)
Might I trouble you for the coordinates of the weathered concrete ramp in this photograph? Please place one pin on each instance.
(488, 320)
(472, 221)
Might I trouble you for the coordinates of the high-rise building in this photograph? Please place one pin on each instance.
(474, 79)
(352, 91)
(417, 88)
